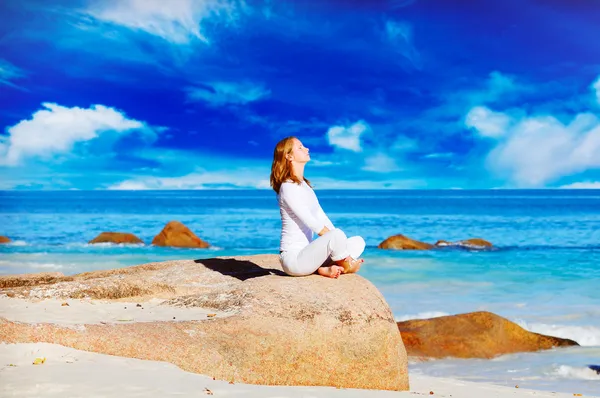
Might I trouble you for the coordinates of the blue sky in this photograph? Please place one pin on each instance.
(194, 94)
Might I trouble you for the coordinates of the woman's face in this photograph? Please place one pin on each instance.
(299, 152)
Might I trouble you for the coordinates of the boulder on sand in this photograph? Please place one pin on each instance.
(176, 234)
(472, 335)
(268, 328)
(117, 238)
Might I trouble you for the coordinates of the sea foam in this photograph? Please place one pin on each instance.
(584, 335)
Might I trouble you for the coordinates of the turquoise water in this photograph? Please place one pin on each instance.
(544, 274)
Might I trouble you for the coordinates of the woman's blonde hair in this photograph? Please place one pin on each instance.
(281, 169)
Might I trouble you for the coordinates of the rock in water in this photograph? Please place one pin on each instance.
(117, 238)
(176, 234)
(401, 242)
(475, 243)
(472, 335)
(270, 328)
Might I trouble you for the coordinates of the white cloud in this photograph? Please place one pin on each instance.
(442, 155)
(223, 93)
(199, 180)
(399, 33)
(330, 183)
(534, 150)
(540, 149)
(321, 163)
(177, 21)
(347, 137)
(9, 73)
(596, 87)
(56, 129)
(582, 185)
(380, 163)
(487, 122)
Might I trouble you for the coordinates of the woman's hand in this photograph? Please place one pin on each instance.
(323, 231)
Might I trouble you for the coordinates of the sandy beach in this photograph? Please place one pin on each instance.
(76, 373)
(73, 373)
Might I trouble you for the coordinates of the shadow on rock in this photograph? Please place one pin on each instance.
(239, 269)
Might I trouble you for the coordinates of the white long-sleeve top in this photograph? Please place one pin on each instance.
(301, 216)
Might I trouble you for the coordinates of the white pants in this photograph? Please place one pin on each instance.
(332, 246)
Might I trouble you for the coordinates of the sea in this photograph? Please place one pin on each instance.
(543, 274)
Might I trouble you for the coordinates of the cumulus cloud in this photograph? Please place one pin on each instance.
(347, 137)
(380, 163)
(9, 73)
(224, 93)
(176, 21)
(199, 180)
(533, 150)
(56, 129)
(487, 122)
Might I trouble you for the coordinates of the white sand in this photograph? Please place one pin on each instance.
(73, 373)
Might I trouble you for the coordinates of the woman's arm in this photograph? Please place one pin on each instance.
(293, 196)
(323, 218)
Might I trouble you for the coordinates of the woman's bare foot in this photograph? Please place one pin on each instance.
(331, 272)
(350, 265)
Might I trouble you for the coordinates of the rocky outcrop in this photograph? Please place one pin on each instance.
(4, 239)
(175, 234)
(401, 242)
(117, 238)
(269, 329)
(12, 281)
(472, 335)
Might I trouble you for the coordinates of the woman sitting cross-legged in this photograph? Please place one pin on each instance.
(332, 253)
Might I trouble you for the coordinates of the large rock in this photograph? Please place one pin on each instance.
(117, 238)
(401, 242)
(473, 243)
(4, 239)
(270, 329)
(472, 335)
(176, 234)
(10, 281)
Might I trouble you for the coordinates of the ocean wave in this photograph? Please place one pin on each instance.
(16, 243)
(105, 245)
(584, 335)
(573, 372)
(29, 265)
(421, 315)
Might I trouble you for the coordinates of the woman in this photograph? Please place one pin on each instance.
(302, 216)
